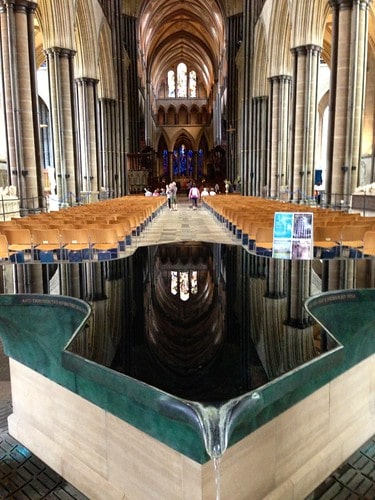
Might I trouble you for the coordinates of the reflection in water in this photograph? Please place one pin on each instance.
(204, 322)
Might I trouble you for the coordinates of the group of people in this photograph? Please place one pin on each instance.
(194, 194)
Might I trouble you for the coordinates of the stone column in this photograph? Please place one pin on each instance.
(347, 91)
(304, 119)
(20, 103)
(280, 94)
(170, 155)
(87, 133)
(60, 69)
(258, 172)
(107, 145)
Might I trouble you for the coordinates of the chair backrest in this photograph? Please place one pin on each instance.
(353, 232)
(4, 252)
(18, 236)
(74, 236)
(369, 243)
(327, 233)
(264, 235)
(103, 235)
(45, 236)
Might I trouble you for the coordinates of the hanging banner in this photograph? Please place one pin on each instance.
(293, 235)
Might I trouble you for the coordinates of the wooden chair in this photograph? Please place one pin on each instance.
(327, 240)
(76, 243)
(369, 243)
(19, 239)
(19, 242)
(104, 242)
(5, 254)
(352, 237)
(264, 241)
(46, 243)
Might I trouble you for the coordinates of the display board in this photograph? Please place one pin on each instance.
(293, 235)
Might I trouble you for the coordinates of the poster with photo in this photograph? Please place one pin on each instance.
(293, 235)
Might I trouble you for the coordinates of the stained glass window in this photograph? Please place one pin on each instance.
(171, 84)
(192, 84)
(182, 80)
(182, 83)
(184, 283)
(165, 161)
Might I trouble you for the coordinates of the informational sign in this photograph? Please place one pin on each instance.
(293, 235)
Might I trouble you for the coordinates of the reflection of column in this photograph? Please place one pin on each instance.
(280, 91)
(306, 68)
(347, 91)
(276, 280)
(299, 291)
(21, 110)
(60, 66)
(87, 120)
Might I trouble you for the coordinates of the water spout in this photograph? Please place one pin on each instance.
(216, 423)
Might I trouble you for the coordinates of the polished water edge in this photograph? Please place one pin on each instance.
(37, 330)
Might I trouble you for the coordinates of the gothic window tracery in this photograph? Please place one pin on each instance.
(184, 284)
(182, 83)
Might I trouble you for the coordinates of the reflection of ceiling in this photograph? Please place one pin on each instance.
(184, 335)
(174, 30)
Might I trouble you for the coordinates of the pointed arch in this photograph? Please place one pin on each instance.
(279, 55)
(106, 70)
(56, 19)
(308, 22)
(86, 40)
(260, 62)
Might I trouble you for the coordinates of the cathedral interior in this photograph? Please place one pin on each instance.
(274, 100)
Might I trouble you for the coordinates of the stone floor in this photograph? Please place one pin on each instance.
(24, 476)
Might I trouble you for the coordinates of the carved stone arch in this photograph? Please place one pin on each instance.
(106, 86)
(161, 117)
(309, 22)
(279, 56)
(205, 115)
(194, 115)
(86, 34)
(260, 85)
(171, 115)
(182, 115)
(183, 136)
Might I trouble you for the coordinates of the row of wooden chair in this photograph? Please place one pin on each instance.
(99, 230)
(232, 210)
(333, 233)
(49, 245)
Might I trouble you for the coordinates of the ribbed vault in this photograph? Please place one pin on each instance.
(173, 30)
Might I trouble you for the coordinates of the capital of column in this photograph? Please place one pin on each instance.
(280, 79)
(59, 51)
(304, 50)
(18, 5)
(85, 80)
(349, 4)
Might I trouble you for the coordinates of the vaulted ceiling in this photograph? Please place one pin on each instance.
(172, 31)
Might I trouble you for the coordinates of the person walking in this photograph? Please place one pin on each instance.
(173, 187)
(194, 196)
(168, 192)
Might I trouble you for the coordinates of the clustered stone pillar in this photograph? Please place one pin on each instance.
(19, 81)
(347, 91)
(280, 93)
(87, 129)
(259, 117)
(107, 145)
(60, 66)
(304, 116)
